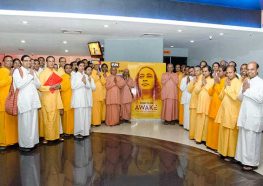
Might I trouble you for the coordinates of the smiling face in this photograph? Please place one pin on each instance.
(243, 70)
(252, 70)
(146, 79)
(205, 72)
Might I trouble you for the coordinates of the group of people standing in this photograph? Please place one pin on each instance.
(219, 107)
(53, 103)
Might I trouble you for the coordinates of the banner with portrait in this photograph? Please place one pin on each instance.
(147, 103)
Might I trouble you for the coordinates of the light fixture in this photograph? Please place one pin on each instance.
(172, 46)
(25, 22)
(106, 26)
(221, 34)
(179, 30)
(210, 37)
(192, 41)
(65, 42)
(23, 41)
(66, 51)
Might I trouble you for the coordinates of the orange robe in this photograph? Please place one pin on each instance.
(51, 104)
(8, 123)
(227, 118)
(169, 96)
(104, 97)
(193, 89)
(180, 106)
(98, 98)
(213, 127)
(202, 109)
(126, 99)
(113, 99)
(66, 94)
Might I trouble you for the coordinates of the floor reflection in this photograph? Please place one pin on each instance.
(112, 159)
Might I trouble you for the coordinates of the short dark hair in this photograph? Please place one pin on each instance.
(24, 56)
(104, 64)
(87, 67)
(7, 57)
(80, 62)
(41, 58)
(50, 57)
(67, 65)
(61, 58)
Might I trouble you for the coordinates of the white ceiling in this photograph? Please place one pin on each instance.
(43, 34)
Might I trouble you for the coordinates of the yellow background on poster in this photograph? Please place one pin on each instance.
(147, 102)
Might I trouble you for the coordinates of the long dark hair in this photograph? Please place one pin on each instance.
(156, 89)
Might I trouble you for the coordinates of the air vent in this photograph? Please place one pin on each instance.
(71, 31)
(152, 35)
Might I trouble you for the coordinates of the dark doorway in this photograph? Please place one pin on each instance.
(175, 60)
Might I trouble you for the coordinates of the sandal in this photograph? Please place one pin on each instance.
(44, 141)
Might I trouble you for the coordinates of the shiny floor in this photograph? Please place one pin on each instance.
(155, 129)
(120, 160)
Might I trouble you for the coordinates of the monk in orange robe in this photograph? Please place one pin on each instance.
(212, 127)
(8, 123)
(114, 84)
(203, 104)
(180, 76)
(192, 88)
(66, 94)
(169, 95)
(105, 74)
(228, 114)
(126, 96)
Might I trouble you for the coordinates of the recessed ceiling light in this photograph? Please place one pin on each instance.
(179, 30)
(106, 26)
(192, 41)
(66, 51)
(65, 42)
(172, 46)
(221, 34)
(210, 37)
(23, 41)
(25, 22)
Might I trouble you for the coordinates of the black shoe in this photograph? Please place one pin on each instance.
(2, 148)
(23, 149)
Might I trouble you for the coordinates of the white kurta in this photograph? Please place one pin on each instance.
(250, 123)
(28, 103)
(82, 103)
(185, 100)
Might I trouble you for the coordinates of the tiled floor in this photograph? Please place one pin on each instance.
(154, 129)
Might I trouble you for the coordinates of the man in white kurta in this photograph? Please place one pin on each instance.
(82, 87)
(250, 120)
(186, 96)
(28, 102)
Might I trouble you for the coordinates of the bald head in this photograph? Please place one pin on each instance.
(252, 69)
(170, 67)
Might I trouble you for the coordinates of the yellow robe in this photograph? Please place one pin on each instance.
(202, 109)
(180, 106)
(192, 88)
(51, 104)
(98, 99)
(213, 127)
(8, 123)
(61, 71)
(104, 96)
(66, 94)
(227, 118)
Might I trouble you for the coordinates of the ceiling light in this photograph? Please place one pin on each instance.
(221, 34)
(179, 30)
(66, 51)
(71, 31)
(65, 42)
(23, 41)
(192, 41)
(25, 22)
(106, 26)
(172, 46)
(210, 37)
